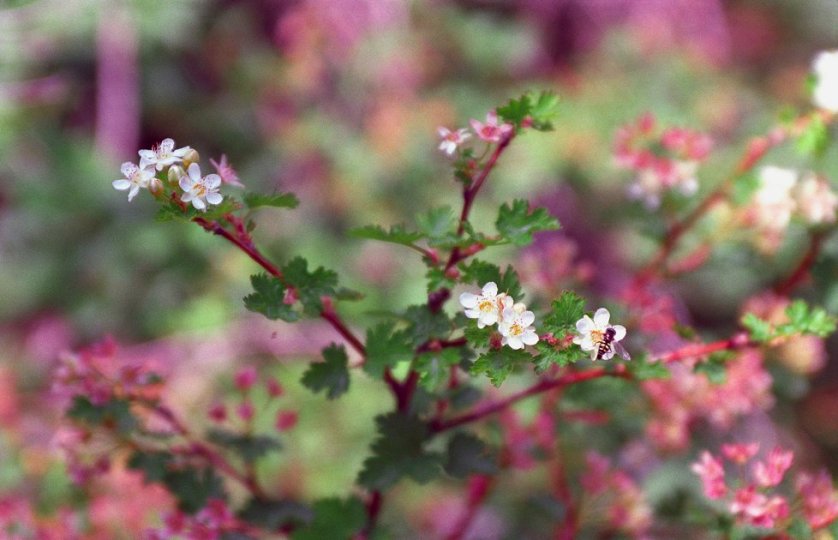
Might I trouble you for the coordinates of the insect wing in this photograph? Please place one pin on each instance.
(619, 349)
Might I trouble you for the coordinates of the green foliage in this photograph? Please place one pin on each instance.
(541, 110)
(268, 299)
(424, 325)
(386, 347)
(744, 188)
(714, 368)
(434, 366)
(397, 234)
(803, 320)
(497, 364)
(481, 272)
(277, 200)
(517, 223)
(462, 396)
(191, 486)
(248, 446)
(310, 286)
(643, 369)
(439, 226)
(467, 455)
(331, 375)
(437, 279)
(815, 138)
(478, 337)
(114, 414)
(398, 451)
(549, 355)
(564, 313)
(173, 211)
(333, 518)
(274, 514)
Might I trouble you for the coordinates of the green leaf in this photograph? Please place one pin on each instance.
(439, 225)
(248, 446)
(273, 514)
(386, 348)
(398, 451)
(397, 234)
(545, 109)
(714, 368)
(516, 110)
(434, 367)
(331, 375)
(268, 299)
(193, 487)
(153, 465)
(642, 369)
(277, 200)
(758, 329)
(469, 455)
(310, 286)
(114, 414)
(438, 279)
(463, 396)
(564, 313)
(481, 272)
(549, 356)
(334, 518)
(744, 188)
(815, 138)
(424, 325)
(497, 364)
(517, 223)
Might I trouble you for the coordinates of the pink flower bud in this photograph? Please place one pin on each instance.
(218, 412)
(245, 378)
(285, 420)
(274, 388)
(245, 411)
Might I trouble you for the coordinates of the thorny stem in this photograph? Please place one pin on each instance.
(757, 148)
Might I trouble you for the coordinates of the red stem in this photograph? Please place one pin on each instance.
(801, 271)
(479, 487)
(696, 350)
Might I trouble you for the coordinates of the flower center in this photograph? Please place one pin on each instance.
(597, 335)
(486, 306)
(516, 329)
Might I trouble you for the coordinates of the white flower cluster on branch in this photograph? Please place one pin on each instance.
(513, 319)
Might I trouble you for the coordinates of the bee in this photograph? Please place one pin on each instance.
(605, 347)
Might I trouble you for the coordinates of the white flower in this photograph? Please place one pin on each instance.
(484, 307)
(825, 94)
(163, 155)
(815, 200)
(773, 200)
(516, 325)
(451, 139)
(593, 332)
(135, 179)
(199, 190)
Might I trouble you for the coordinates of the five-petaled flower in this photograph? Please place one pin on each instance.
(450, 140)
(163, 155)
(135, 179)
(594, 333)
(491, 131)
(485, 307)
(516, 325)
(199, 190)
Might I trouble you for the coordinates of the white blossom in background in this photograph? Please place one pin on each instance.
(816, 202)
(773, 201)
(491, 131)
(163, 155)
(592, 332)
(135, 179)
(200, 190)
(451, 139)
(652, 182)
(825, 67)
(486, 306)
(516, 325)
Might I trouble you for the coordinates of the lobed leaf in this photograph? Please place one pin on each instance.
(333, 518)
(517, 223)
(277, 200)
(249, 447)
(268, 299)
(331, 375)
(386, 348)
(497, 364)
(468, 455)
(397, 234)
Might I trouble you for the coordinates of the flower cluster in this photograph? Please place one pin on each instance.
(164, 164)
(664, 162)
(753, 499)
(599, 337)
(491, 131)
(211, 522)
(245, 380)
(490, 307)
(825, 92)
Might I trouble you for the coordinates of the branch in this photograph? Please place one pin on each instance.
(479, 487)
(696, 350)
(801, 271)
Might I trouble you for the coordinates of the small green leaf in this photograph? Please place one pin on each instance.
(310, 286)
(642, 369)
(334, 518)
(386, 348)
(439, 225)
(434, 367)
(815, 138)
(516, 110)
(497, 364)
(398, 451)
(714, 368)
(481, 272)
(194, 487)
(424, 325)
(153, 465)
(467, 455)
(248, 446)
(564, 313)
(463, 396)
(544, 111)
(331, 375)
(758, 329)
(114, 414)
(438, 279)
(517, 223)
(268, 299)
(744, 188)
(397, 234)
(277, 200)
(549, 356)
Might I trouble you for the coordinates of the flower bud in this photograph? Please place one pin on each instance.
(175, 174)
(191, 157)
(155, 186)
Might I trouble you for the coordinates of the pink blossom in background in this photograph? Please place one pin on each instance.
(820, 502)
(712, 476)
(771, 471)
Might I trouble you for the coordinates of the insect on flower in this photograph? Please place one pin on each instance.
(599, 337)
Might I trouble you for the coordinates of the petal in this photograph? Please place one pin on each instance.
(490, 289)
(212, 181)
(527, 318)
(476, 126)
(194, 172)
(443, 131)
(468, 300)
(608, 355)
(167, 145)
(198, 203)
(584, 325)
(508, 314)
(472, 313)
(147, 155)
(619, 332)
(586, 344)
(601, 317)
(121, 184)
(489, 319)
(128, 169)
(133, 192)
(529, 337)
(186, 197)
(214, 198)
(515, 342)
(185, 183)
(181, 152)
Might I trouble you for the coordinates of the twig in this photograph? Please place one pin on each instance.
(479, 487)
(801, 271)
(697, 350)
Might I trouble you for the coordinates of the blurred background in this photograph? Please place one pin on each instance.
(339, 101)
